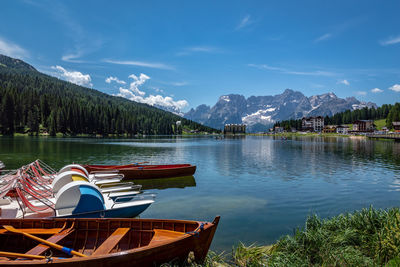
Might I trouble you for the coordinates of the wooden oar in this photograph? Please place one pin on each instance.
(21, 255)
(50, 244)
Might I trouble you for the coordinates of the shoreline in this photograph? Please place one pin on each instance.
(58, 135)
(309, 135)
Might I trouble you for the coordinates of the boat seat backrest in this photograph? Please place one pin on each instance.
(79, 197)
(73, 166)
(65, 178)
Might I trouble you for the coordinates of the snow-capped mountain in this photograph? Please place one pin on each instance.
(260, 112)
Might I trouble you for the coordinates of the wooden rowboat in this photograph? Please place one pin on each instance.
(103, 242)
(134, 171)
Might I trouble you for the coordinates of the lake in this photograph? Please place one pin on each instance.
(262, 187)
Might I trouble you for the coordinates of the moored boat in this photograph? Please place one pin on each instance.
(34, 191)
(2, 166)
(136, 171)
(103, 242)
(78, 199)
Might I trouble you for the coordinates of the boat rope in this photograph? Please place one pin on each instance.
(197, 231)
(49, 258)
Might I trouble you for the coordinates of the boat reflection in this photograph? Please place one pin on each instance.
(164, 183)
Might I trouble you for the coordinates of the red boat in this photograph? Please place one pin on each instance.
(136, 171)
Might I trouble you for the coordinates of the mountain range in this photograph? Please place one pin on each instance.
(260, 112)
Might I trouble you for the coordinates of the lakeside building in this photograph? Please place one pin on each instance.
(364, 126)
(315, 124)
(342, 129)
(278, 129)
(385, 129)
(329, 129)
(396, 126)
(235, 129)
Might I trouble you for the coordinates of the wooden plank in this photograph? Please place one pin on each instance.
(161, 236)
(111, 241)
(41, 248)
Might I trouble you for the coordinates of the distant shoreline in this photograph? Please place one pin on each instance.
(307, 135)
(103, 136)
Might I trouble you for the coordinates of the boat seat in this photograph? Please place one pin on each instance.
(8, 213)
(161, 235)
(41, 248)
(5, 201)
(111, 241)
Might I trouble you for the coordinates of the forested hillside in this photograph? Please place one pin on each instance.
(388, 112)
(32, 102)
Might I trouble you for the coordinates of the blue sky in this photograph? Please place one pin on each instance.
(185, 53)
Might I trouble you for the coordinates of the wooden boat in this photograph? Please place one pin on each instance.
(103, 242)
(135, 171)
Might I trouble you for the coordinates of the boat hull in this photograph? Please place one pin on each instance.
(174, 251)
(146, 171)
(123, 212)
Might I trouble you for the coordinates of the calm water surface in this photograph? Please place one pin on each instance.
(262, 187)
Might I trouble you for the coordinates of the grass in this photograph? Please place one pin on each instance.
(380, 124)
(369, 237)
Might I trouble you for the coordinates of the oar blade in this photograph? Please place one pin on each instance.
(10, 228)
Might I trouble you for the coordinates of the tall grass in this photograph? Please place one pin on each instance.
(369, 237)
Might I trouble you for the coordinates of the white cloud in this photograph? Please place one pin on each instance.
(12, 50)
(292, 72)
(158, 90)
(72, 57)
(246, 21)
(198, 49)
(114, 79)
(324, 37)
(345, 82)
(138, 81)
(75, 77)
(202, 49)
(265, 67)
(395, 88)
(376, 90)
(361, 93)
(391, 40)
(152, 65)
(135, 94)
(179, 83)
(158, 100)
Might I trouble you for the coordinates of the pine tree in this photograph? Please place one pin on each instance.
(8, 114)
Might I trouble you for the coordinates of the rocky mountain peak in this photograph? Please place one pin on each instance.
(260, 112)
